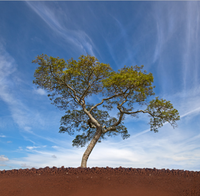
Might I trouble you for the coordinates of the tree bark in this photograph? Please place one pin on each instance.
(90, 147)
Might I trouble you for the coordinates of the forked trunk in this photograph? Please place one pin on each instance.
(90, 147)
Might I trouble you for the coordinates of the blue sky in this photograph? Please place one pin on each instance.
(162, 36)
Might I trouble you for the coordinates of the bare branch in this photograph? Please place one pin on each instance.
(116, 95)
(113, 127)
(143, 111)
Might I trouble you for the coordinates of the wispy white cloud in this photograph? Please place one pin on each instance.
(188, 105)
(40, 91)
(183, 31)
(3, 158)
(191, 47)
(7, 68)
(77, 38)
(42, 158)
(123, 35)
(167, 21)
(9, 94)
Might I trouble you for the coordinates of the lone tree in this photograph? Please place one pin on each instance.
(78, 80)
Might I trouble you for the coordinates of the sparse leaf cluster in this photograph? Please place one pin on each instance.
(162, 111)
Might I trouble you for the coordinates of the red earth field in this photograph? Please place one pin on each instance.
(99, 182)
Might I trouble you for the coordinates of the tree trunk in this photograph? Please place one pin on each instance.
(90, 147)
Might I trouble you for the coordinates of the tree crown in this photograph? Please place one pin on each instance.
(77, 80)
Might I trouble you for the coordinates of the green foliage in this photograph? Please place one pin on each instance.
(56, 74)
(162, 111)
(71, 82)
(137, 83)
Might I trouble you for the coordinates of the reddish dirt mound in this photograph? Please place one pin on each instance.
(99, 181)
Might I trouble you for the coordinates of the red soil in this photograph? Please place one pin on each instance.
(99, 181)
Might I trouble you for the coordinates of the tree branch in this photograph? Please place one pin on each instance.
(63, 83)
(116, 95)
(113, 127)
(83, 96)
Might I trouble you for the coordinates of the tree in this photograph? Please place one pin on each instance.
(71, 82)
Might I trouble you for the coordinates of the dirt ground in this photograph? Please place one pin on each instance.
(99, 181)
